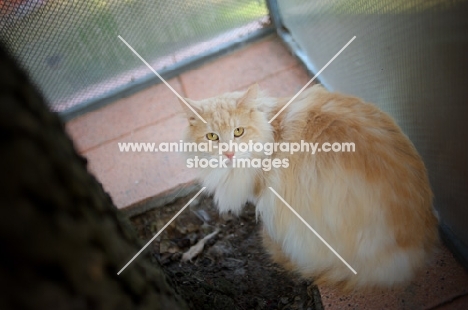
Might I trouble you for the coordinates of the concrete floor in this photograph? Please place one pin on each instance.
(154, 115)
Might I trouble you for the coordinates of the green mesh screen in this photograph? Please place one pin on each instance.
(71, 48)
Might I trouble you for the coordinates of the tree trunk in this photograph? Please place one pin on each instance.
(62, 241)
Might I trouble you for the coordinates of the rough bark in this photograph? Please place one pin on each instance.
(62, 241)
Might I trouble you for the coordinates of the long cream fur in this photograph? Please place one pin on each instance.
(373, 206)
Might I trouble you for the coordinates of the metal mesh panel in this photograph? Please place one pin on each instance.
(71, 48)
(411, 59)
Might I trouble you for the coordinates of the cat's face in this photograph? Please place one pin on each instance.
(230, 118)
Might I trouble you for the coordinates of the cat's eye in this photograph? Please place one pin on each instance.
(212, 136)
(238, 132)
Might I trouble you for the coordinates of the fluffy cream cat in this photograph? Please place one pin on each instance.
(373, 205)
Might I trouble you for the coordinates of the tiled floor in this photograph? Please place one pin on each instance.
(154, 115)
(443, 282)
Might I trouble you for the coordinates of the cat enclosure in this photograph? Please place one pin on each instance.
(72, 49)
(409, 57)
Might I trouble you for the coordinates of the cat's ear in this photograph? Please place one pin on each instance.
(186, 104)
(248, 99)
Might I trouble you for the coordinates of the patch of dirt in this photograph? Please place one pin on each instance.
(232, 271)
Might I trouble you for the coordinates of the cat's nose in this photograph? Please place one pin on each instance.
(229, 154)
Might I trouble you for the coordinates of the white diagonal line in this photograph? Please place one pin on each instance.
(286, 105)
(157, 74)
(308, 226)
(162, 229)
